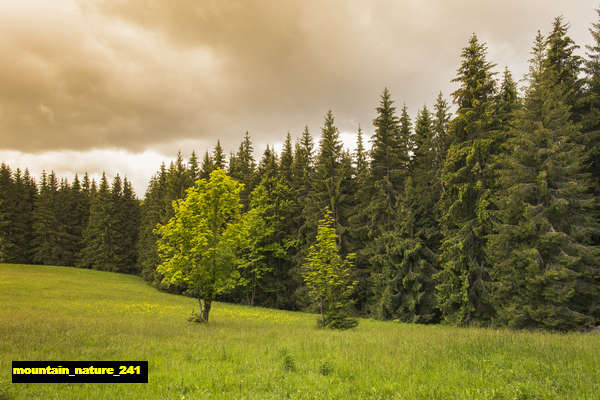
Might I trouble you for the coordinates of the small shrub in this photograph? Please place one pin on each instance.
(289, 364)
(326, 368)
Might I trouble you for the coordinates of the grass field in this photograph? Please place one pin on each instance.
(58, 313)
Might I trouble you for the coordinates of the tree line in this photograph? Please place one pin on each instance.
(487, 215)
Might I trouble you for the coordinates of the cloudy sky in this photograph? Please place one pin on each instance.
(121, 85)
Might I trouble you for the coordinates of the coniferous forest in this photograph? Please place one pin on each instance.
(482, 210)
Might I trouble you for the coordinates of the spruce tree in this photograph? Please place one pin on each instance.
(418, 238)
(207, 167)
(440, 140)
(389, 169)
(8, 203)
(152, 212)
(22, 196)
(545, 275)
(561, 58)
(219, 157)
(329, 277)
(242, 168)
(326, 182)
(357, 226)
(268, 166)
(45, 223)
(99, 236)
(193, 169)
(287, 159)
(127, 219)
(590, 111)
(462, 289)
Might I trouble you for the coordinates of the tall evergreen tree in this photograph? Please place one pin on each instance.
(242, 168)
(287, 159)
(389, 169)
(193, 168)
(405, 138)
(100, 236)
(45, 223)
(413, 297)
(545, 274)
(326, 182)
(8, 202)
(207, 167)
(268, 166)
(152, 212)
(219, 156)
(463, 282)
(127, 219)
(440, 140)
(590, 110)
(561, 58)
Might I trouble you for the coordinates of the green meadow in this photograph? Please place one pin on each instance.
(60, 313)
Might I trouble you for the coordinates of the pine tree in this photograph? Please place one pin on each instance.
(21, 195)
(219, 156)
(45, 223)
(303, 169)
(357, 224)
(462, 287)
(590, 111)
(545, 274)
(287, 159)
(8, 202)
(268, 166)
(301, 229)
(193, 169)
(126, 214)
(66, 244)
(389, 169)
(242, 168)
(413, 286)
(561, 58)
(178, 179)
(99, 235)
(152, 212)
(405, 138)
(328, 277)
(326, 183)
(78, 214)
(440, 140)
(207, 167)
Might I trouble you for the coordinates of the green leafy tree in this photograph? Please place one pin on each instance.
(262, 246)
(328, 277)
(197, 245)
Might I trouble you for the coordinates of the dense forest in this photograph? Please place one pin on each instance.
(487, 215)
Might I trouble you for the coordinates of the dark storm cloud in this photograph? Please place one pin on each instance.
(142, 74)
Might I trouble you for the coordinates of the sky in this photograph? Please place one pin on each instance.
(123, 85)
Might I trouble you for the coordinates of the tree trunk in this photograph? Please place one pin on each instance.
(204, 309)
(322, 314)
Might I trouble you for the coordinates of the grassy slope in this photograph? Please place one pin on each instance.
(57, 313)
